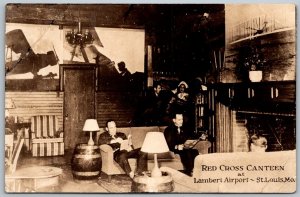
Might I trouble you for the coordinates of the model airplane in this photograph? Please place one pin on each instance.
(259, 31)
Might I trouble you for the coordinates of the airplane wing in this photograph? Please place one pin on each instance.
(97, 40)
(17, 41)
(28, 60)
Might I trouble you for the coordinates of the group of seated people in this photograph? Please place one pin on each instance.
(166, 98)
(175, 134)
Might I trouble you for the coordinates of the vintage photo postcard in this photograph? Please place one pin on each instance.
(150, 98)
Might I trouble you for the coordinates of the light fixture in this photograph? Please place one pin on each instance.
(155, 142)
(91, 125)
(79, 38)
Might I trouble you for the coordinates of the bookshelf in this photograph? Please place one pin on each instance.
(201, 113)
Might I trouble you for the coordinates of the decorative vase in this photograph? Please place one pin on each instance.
(255, 75)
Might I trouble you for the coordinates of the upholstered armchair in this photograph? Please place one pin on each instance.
(109, 165)
(46, 138)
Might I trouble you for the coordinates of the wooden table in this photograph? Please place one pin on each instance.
(42, 176)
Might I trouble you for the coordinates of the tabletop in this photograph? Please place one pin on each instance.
(36, 172)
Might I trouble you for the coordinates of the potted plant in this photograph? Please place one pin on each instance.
(251, 60)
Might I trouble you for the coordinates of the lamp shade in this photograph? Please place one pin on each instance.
(155, 142)
(91, 125)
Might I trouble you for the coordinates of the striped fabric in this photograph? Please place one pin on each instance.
(44, 139)
(27, 140)
(47, 149)
(44, 126)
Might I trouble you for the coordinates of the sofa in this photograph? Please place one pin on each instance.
(110, 167)
(240, 172)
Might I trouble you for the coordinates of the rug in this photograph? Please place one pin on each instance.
(119, 183)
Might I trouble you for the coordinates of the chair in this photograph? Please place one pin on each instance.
(109, 165)
(9, 142)
(11, 164)
(46, 138)
(12, 161)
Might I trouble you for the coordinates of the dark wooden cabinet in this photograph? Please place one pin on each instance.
(279, 96)
(274, 91)
(285, 92)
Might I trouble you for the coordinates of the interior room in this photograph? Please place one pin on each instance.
(70, 69)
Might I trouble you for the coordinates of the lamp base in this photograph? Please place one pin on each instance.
(91, 141)
(156, 172)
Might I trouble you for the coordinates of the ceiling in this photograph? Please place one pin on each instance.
(114, 15)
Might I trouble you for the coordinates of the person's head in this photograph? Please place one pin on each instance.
(178, 119)
(121, 66)
(157, 88)
(182, 87)
(111, 127)
(51, 58)
(258, 143)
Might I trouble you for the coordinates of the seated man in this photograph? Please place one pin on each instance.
(176, 135)
(115, 139)
(258, 143)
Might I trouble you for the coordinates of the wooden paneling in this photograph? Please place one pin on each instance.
(119, 106)
(38, 85)
(36, 103)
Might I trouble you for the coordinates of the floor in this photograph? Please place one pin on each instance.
(67, 183)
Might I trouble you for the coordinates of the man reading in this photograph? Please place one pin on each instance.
(122, 150)
(176, 136)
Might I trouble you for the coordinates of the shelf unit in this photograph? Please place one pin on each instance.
(201, 112)
(205, 115)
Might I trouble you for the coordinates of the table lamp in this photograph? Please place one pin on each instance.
(91, 125)
(155, 142)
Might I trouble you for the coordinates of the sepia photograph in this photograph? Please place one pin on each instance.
(150, 98)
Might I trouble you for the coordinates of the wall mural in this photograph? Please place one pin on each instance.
(32, 51)
(267, 33)
(35, 51)
(119, 53)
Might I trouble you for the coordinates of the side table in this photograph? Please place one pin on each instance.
(146, 183)
(42, 176)
(86, 163)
